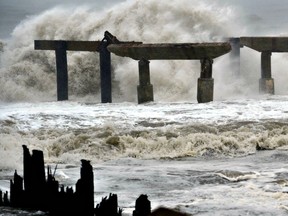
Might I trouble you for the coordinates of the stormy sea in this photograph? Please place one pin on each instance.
(227, 157)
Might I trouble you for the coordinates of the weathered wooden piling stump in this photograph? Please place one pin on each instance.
(16, 191)
(85, 190)
(57, 202)
(142, 206)
(41, 193)
(108, 207)
(175, 51)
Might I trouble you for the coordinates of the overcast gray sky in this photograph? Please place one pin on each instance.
(262, 15)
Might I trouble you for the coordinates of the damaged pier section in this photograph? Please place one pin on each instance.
(205, 52)
(61, 47)
(266, 46)
(143, 53)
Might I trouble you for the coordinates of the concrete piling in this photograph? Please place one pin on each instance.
(144, 89)
(205, 82)
(205, 52)
(266, 83)
(266, 45)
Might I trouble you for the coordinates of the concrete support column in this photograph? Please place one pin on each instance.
(144, 89)
(205, 82)
(235, 55)
(105, 73)
(61, 70)
(266, 83)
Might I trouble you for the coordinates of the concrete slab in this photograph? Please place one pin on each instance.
(171, 51)
(262, 44)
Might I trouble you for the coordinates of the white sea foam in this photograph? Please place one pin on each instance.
(66, 131)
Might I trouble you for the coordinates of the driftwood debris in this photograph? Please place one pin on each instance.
(37, 191)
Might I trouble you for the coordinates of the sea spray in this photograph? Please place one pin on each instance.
(69, 131)
(30, 75)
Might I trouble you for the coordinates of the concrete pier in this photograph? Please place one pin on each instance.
(266, 45)
(205, 52)
(61, 48)
(205, 86)
(144, 89)
(266, 83)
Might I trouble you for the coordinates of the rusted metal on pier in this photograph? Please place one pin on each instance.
(205, 52)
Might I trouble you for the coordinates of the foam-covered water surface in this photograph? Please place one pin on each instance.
(100, 132)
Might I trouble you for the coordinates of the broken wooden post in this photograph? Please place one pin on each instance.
(105, 73)
(266, 83)
(5, 199)
(142, 206)
(85, 190)
(144, 89)
(108, 207)
(27, 175)
(34, 178)
(62, 72)
(205, 82)
(16, 191)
